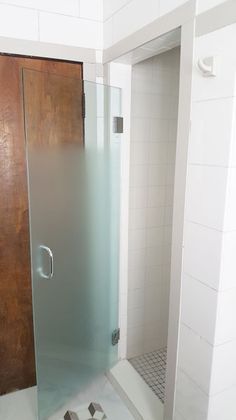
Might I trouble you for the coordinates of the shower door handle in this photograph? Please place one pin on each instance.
(49, 275)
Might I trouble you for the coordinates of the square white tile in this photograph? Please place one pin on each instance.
(226, 317)
(212, 132)
(196, 358)
(17, 22)
(202, 254)
(228, 263)
(191, 402)
(206, 195)
(219, 43)
(197, 295)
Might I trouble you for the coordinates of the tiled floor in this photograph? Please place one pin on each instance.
(152, 368)
(102, 392)
(22, 405)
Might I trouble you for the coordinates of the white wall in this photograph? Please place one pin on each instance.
(68, 22)
(80, 22)
(206, 385)
(154, 90)
(123, 17)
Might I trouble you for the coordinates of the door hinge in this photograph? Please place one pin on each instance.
(118, 125)
(83, 106)
(115, 337)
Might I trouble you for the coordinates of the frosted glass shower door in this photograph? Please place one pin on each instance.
(74, 182)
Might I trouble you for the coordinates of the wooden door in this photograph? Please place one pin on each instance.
(17, 363)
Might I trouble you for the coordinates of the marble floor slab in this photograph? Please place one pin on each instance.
(22, 405)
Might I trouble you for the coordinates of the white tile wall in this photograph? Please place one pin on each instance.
(223, 405)
(123, 17)
(191, 401)
(223, 375)
(79, 32)
(112, 6)
(197, 295)
(195, 358)
(226, 317)
(206, 385)
(206, 185)
(228, 268)
(123, 20)
(152, 161)
(230, 219)
(69, 7)
(202, 254)
(167, 6)
(18, 22)
(107, 33)
(212, 132)
(204, 5)
(70, 22)
(178, 416)
(91, 9)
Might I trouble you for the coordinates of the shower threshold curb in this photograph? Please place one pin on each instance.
(136, 394)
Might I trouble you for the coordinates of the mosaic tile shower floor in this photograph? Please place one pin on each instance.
(152, 368)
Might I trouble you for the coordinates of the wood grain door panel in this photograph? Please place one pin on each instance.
(53, 107)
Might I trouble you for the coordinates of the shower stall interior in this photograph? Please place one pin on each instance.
(154, 115)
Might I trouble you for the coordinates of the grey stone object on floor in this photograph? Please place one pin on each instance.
(70, 415)
(96, 411)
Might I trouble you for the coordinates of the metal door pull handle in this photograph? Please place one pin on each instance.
(50, 254)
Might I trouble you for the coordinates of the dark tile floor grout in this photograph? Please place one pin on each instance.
(152, 368)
